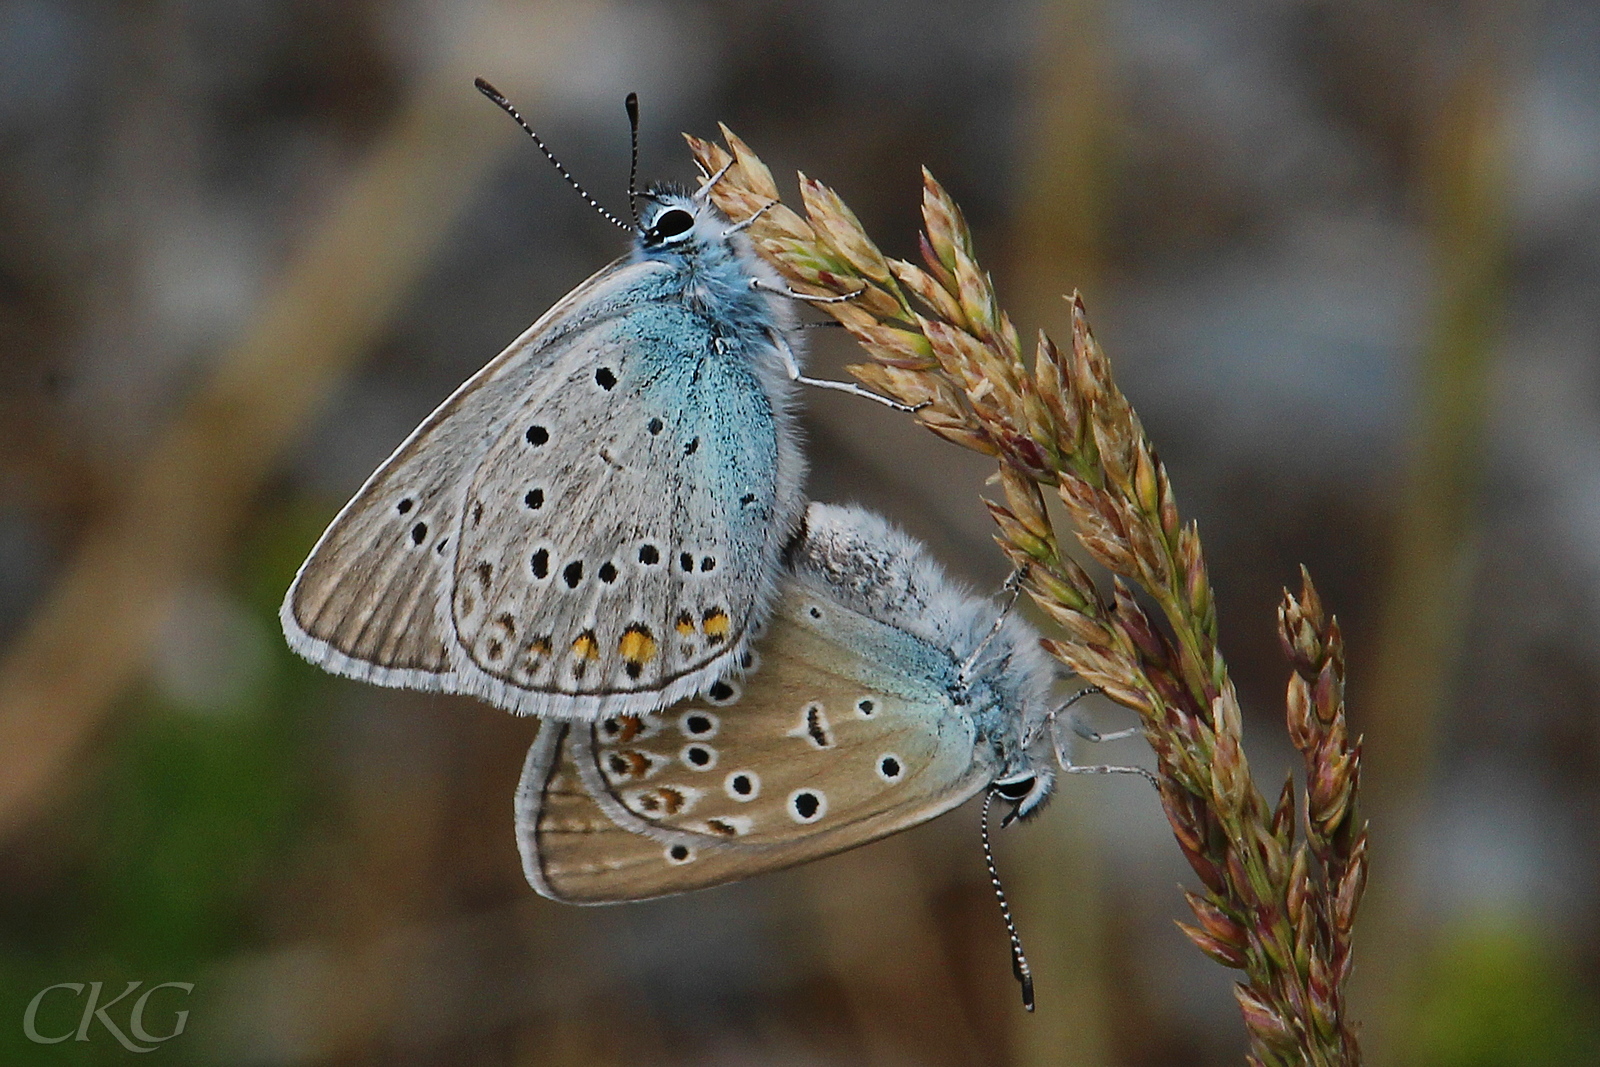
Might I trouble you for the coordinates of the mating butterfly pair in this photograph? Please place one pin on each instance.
(605, 527)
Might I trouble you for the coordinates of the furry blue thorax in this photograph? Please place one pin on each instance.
(710, 265)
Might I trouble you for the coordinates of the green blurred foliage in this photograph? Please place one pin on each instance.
(1501, 994)
(172, 848)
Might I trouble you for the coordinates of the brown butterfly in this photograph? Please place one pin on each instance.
(883, 697)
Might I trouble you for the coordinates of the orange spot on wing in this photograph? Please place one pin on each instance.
(622, 728)
(586, 646)
(628, 763)
(638, 645)
(715, 624)
(659, 803)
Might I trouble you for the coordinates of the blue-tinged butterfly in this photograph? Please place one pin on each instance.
(592, 524)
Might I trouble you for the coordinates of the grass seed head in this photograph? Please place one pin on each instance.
(937, 336)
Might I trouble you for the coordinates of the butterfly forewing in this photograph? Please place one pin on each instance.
(607, 546)
(824, 748)
(589, 524)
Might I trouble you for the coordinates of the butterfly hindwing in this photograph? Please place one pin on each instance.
(824, 748)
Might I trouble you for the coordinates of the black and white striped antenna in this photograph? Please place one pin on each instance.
(1019, 962)
(505, 105)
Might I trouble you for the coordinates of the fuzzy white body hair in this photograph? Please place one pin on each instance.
(867, 564)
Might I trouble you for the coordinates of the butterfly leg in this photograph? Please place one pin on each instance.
(1089, 733)
(1064, 761)
(1050, 720)
(1053, 721)
(749, 221)
(710, 180)
(795, 294)
(1082, 728)
(1149, 776)
(1013, 586)
(791, 366)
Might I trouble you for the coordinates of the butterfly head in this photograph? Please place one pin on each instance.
(1026, 791)
(669, 219)
(1006, 687)
(686, 233)
(673, 222)
(997, 701)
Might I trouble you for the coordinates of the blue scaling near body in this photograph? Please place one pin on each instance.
(592, 524)
(878, 697)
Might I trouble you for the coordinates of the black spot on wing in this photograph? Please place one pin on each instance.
(817, 727)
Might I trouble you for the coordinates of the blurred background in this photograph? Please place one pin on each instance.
(1345, 257)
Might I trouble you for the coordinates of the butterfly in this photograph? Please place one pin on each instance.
(879, 697)
(592, 524)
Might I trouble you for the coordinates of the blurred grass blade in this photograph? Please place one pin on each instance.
(91, 634)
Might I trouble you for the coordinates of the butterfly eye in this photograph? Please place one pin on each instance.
(1015, 789)
(674, 222)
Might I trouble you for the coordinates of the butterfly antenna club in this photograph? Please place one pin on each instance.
(505, 105)
(1019, 961)
(632, 104)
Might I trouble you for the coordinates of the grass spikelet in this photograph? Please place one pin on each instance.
(1280, 913)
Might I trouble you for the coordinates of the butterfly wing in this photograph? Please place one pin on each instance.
(837, 739)
(587, 524)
